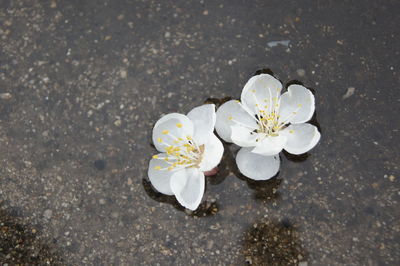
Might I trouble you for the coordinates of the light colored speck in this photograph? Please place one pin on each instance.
(48, 214)
(276, 43)
(392, 178)
(5, 96)
(117, 122)
(350, 91)
(123, 73)
(301, 72)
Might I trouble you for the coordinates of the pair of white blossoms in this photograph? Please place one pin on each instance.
(263, 123)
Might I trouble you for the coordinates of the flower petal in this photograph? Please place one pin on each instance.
(270, 145)
(203, 118)
(229, 114)
(243, 137)
(213, 151)
(188, 187)
(300, 138)
(261, 91)
(160, 179)
(297, 105)
(255, 166)
(170, 127)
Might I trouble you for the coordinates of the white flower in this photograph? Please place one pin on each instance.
(188, 148)
(264, 122)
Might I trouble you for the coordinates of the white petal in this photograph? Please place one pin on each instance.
(177, 126)
(188, 187)
(255, 166)
(160, 179)
(270, 145)
(300, 138)
(243, 137)
(297, 105)
(203, 118)
(229, 114)
(213, 151)
(260, 91)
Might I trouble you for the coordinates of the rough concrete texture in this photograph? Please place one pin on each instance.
(82, 83)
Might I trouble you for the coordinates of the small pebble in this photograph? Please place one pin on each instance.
(118, 122)
(301, 72)
(48, 214)
(350, 91)
(123, 74)
(5, 96)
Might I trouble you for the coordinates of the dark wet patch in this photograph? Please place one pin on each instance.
(273, 243)
(24, 244)
(100, 164)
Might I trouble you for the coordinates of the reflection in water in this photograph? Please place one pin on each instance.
(296, 158)
(264, 190)
(264, 71)
(272, 243)
(206, 208)
(22, 244)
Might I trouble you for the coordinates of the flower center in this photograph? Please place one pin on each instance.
(269, 122)
(183, 153)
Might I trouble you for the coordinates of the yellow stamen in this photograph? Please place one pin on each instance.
(157, 167)
(160, 140)
(179, 125)
(155, 156)
(165, 132)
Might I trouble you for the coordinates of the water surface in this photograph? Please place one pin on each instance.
(88, 79)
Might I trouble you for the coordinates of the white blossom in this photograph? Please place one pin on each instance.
(264, 122)
(188, 148)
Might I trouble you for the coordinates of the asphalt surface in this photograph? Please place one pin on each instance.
(83, 82)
